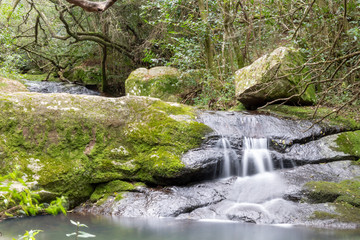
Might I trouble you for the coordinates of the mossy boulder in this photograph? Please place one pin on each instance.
(8, 85)
(159, 82)
(70, 143)
(115, 188)
(344, 197)
(349, 143)
(272, 77)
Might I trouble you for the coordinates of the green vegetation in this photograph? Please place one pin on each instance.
(130, 138)
(349, 142)
(344, 196)
(111, 188)
(17, 199)
(209, 41)
(79, 234)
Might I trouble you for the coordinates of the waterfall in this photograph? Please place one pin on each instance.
(230, 165)
(256, 156)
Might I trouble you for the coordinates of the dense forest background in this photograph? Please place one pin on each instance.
(208, 40)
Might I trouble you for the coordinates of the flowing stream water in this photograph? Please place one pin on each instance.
(257, 194)
(113, 228)
(57, 87)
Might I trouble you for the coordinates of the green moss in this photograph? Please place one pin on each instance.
(67, 145)
(323, 215)
(344, 196)
(345, 120)
(349, 142)
(38, 77)
(86, 75)
(163, 84)
(239, 107)
(105, 190)
(346, 191)
(344, 212)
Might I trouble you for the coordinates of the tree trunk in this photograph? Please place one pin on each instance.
(105, 83)
(209, 49)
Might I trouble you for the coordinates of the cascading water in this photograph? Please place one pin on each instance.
(256, 156)
(258, 189)
(230, 165)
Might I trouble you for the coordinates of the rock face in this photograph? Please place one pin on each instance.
(267, 198)
(159, 82)
(229, 199)
(262, 81)
(70, 143)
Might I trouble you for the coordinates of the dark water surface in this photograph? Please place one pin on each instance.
(111, 228)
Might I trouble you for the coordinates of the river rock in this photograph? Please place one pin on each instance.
(8, 85)
(226, 199)
(159, 82)
(70, 143)
(326, 149)
(262, 81)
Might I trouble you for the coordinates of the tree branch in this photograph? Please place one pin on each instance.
(90, 6)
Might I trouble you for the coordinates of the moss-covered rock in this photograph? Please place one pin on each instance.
(345, 197)
(273, 77)
(349, 142)
(7, 85)
(116, 187)
(69, 143)
(159, 82)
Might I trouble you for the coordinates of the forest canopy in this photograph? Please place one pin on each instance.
(214, 38)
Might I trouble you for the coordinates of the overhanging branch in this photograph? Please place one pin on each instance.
(90, 6)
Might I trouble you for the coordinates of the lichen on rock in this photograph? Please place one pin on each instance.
(8, 85)
(159, 82)
(271, 77)
(69, 144)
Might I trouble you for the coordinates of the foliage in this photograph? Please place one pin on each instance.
(78, 233)
(16, 198)
(214, 37)
(29, 235)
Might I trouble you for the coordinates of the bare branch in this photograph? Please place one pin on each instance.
(90, 6)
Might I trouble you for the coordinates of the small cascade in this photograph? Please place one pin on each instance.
(256, 157)
(230, 165)
(57, 87)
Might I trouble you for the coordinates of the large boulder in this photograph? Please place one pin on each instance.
(68, 144)
(8, 85)
(273, 77)
(159, 82)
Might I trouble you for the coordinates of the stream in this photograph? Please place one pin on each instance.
(253, 169)
(57, 87)
(111, 228)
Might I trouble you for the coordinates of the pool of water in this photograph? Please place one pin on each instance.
(111, 228)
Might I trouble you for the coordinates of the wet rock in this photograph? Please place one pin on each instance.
(318, 151)
(218, 199)
(163, 202)
(281, 130)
